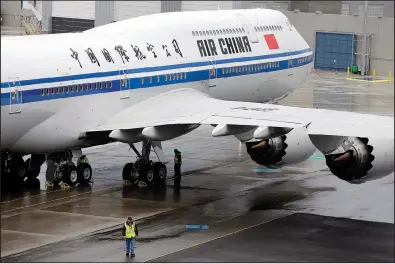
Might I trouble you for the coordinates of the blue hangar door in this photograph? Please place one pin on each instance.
(334, 51)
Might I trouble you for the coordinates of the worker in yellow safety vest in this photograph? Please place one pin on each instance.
(130, 232)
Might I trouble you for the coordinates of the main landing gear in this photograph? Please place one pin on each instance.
(15, 171)
(62, 171)
(144, 170)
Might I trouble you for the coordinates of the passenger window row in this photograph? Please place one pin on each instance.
(76, 88)
(234, 30)
(218, 32)
(251, 68)
(167, 77)
(268, 28)
(305, 59)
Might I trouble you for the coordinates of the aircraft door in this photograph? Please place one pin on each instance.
(248, 28)
(212, 74)
(124, 83)
(16, 99)
(290, 59)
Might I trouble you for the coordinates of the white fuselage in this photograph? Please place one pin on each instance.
(53, 89)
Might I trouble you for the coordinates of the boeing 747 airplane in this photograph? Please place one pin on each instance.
(154, 78)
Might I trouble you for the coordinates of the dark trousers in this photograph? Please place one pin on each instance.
(177, 176)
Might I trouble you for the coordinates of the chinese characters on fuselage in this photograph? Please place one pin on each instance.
(92, 56)
(139, 55)
(123, 53)
(107, 55)
(232, 45)
(165, 49)
(74, 55)
(176, 47)
(150, 47)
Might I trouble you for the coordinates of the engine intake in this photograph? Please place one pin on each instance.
(357, 160)
(291, 148)
(268, 151)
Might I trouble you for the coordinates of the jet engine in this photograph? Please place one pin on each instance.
(291, 148)
(356, 160)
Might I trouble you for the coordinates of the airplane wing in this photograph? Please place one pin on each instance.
(189, 106)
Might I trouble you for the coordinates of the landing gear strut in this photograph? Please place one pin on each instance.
(144, 170)
(63, 172)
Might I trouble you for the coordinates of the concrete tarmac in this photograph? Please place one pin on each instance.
(297, 238)
(219, 189)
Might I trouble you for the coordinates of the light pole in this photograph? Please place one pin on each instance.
(364, 40)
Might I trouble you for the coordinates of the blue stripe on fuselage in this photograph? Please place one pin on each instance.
(35, 95)
(152, 69)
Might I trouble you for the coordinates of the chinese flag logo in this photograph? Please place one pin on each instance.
(271, 41)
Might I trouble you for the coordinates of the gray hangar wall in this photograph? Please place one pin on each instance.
(381, 30)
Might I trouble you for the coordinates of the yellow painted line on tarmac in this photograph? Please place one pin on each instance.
(58, 199)
(25, 197)
(372, 81)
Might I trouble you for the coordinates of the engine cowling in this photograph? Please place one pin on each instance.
(357, 160)
(294, 147)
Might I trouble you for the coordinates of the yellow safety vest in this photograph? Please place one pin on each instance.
(130, 233)
(82, 160)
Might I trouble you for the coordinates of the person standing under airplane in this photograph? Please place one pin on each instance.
(177, 169)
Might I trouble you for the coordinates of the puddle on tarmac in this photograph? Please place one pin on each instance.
(172, 224)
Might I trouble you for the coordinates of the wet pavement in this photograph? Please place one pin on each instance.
(297, 238)
(219, 189)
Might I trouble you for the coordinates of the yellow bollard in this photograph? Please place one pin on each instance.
(348, 71)
(390, 76)
(374, 74)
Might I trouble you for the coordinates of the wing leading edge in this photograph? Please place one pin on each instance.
(189, 107)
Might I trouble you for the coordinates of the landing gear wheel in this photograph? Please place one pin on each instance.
(136, 174)
(127, 173)
(70, 175)
(33, 173)
(160, 173)
(85, 173)
(18, 169)
(149, 176)
(57, 178)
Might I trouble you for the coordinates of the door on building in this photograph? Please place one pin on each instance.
(125, 81)
(16, 95)
(334, 51)
(212, 74)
